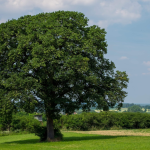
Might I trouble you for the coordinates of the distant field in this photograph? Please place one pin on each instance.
(78, 141)
(114, 109)
(122, 110)
(121, 132)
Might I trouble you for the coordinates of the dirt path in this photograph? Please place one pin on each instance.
(114, 132)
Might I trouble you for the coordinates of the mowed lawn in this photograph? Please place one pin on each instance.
(76, 141)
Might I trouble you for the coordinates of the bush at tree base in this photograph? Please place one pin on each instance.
(41, 131)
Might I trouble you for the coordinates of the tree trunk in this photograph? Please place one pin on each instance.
(105, 108)
(50, 129)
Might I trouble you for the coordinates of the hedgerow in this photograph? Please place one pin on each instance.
(105, 120)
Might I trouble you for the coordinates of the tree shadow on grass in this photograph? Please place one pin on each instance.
(93, 137)
(65, 139)
(29, 141)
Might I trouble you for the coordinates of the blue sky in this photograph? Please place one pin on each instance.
(127, 23)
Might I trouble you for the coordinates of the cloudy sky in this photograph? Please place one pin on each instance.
(127, 23)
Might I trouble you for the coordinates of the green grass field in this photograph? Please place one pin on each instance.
(75, 141)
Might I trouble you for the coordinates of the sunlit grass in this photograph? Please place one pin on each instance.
(75, 141)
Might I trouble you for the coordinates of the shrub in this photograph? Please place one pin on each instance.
(27, 123)
(1, 127)
(41, 131)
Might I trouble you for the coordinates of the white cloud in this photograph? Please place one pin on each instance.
(103, 24)
(84, 2)
(116, 11)
(145, 73)
(106, 12)
(123, 57)
(146, 63)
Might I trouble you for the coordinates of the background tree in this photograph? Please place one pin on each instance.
(135, 108)
(59, 63)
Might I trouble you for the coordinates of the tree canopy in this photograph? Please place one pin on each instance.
(53, 62)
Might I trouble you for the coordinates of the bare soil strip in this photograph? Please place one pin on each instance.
(114, 133)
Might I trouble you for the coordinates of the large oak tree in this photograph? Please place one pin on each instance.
(54, 62)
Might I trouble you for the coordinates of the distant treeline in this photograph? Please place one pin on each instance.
(146, 107)
(127, 105)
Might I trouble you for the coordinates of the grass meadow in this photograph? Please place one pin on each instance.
(78, 141)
